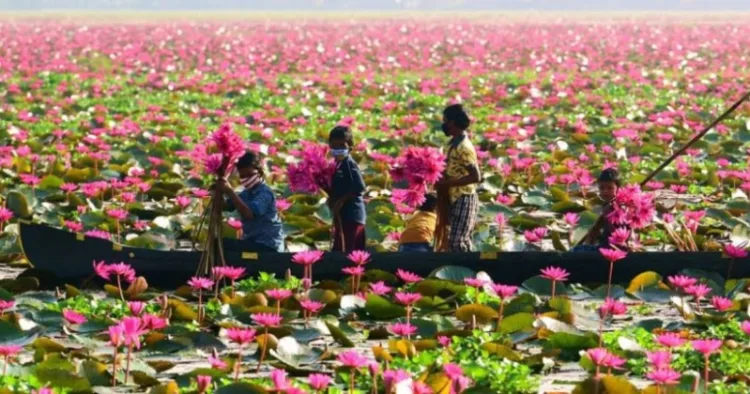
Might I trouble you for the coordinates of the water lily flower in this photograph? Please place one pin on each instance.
(659, 359)
(599, 357)
(722, 304)
(152, 322)
(266, 319)
(746, 327)
(681, 281)
(444, 341)
(216, 363)
(6, 352)
(359, 257)
(619, 237)
(73, 317)
(204, 382)
(311, 308)
(405, 298)
(611, 308)
(121, 271)
(319, 382)
(670, 340)
(380, 288)
(280, 382)
(43, 390)
(706, 347)
(664, 376)
(392, 377)
(5, 305)
(228, 272)
(555, 274)
(307, 259)
(242, 337)
(278, 295)
(136, 307)
(402, 329)
(407, 276)
(571, 219)
(5, 216)
(200, 284)
(699, 292)
(734, 252)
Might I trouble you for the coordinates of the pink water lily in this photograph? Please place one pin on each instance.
(402, 329)
(5, 305)
(242, 337)
(555, 274)
(612, 256)
(407, 276)
(706, 347)
(380, 288)
(7, 352)
(670, 340)
(73, 317)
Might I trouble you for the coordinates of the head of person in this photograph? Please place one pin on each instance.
(608, 183)
(455, 120)
(340, 141)
(250, 168)
(430, 203)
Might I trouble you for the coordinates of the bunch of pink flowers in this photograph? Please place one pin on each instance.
(632, 208)
(230, 147)
(314, 172)
(420, 167)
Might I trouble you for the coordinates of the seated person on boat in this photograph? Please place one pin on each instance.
(599, 237)
(256, 204)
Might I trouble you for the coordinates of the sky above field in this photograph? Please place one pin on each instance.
(333, 5)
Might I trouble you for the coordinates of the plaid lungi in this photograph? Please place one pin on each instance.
(463, 219)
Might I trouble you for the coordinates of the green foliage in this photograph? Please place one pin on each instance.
(266, 281)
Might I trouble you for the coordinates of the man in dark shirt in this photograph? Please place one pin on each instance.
(256, 204)
(346, 195)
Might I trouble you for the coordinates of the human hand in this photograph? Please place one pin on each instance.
(223, 186)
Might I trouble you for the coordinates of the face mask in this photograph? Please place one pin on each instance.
(340, 152)
(250, 182)
(444, 127)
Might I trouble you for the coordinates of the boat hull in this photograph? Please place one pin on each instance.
(60, 257)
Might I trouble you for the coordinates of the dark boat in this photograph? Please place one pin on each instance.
(59, 256)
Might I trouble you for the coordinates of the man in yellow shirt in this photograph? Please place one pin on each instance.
(458, 186)
(420, 229)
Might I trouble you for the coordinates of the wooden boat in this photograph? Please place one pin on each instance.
(59, 256)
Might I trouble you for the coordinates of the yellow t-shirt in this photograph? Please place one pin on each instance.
(460, 157)
(420, 228)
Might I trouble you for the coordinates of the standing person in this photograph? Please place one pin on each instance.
(458, 202)
(346, 195)
(420, 229)
(256, 204)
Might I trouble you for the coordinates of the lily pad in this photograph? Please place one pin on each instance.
(452, 273)
(380, 308)
(482, 314)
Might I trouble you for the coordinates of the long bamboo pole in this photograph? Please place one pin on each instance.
(675, 155)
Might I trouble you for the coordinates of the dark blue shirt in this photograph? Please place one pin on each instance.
(265, 227)
(348, 180)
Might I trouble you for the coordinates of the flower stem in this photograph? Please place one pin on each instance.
(705, 374)
(237, 364)
(263, 350)
(127, 364)
(119, 288)
(278, 307)
(500, 314)
(114, 368)
(609, 281)
(553, 288)
(351, 381)
(5, 366)
(200, 307)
